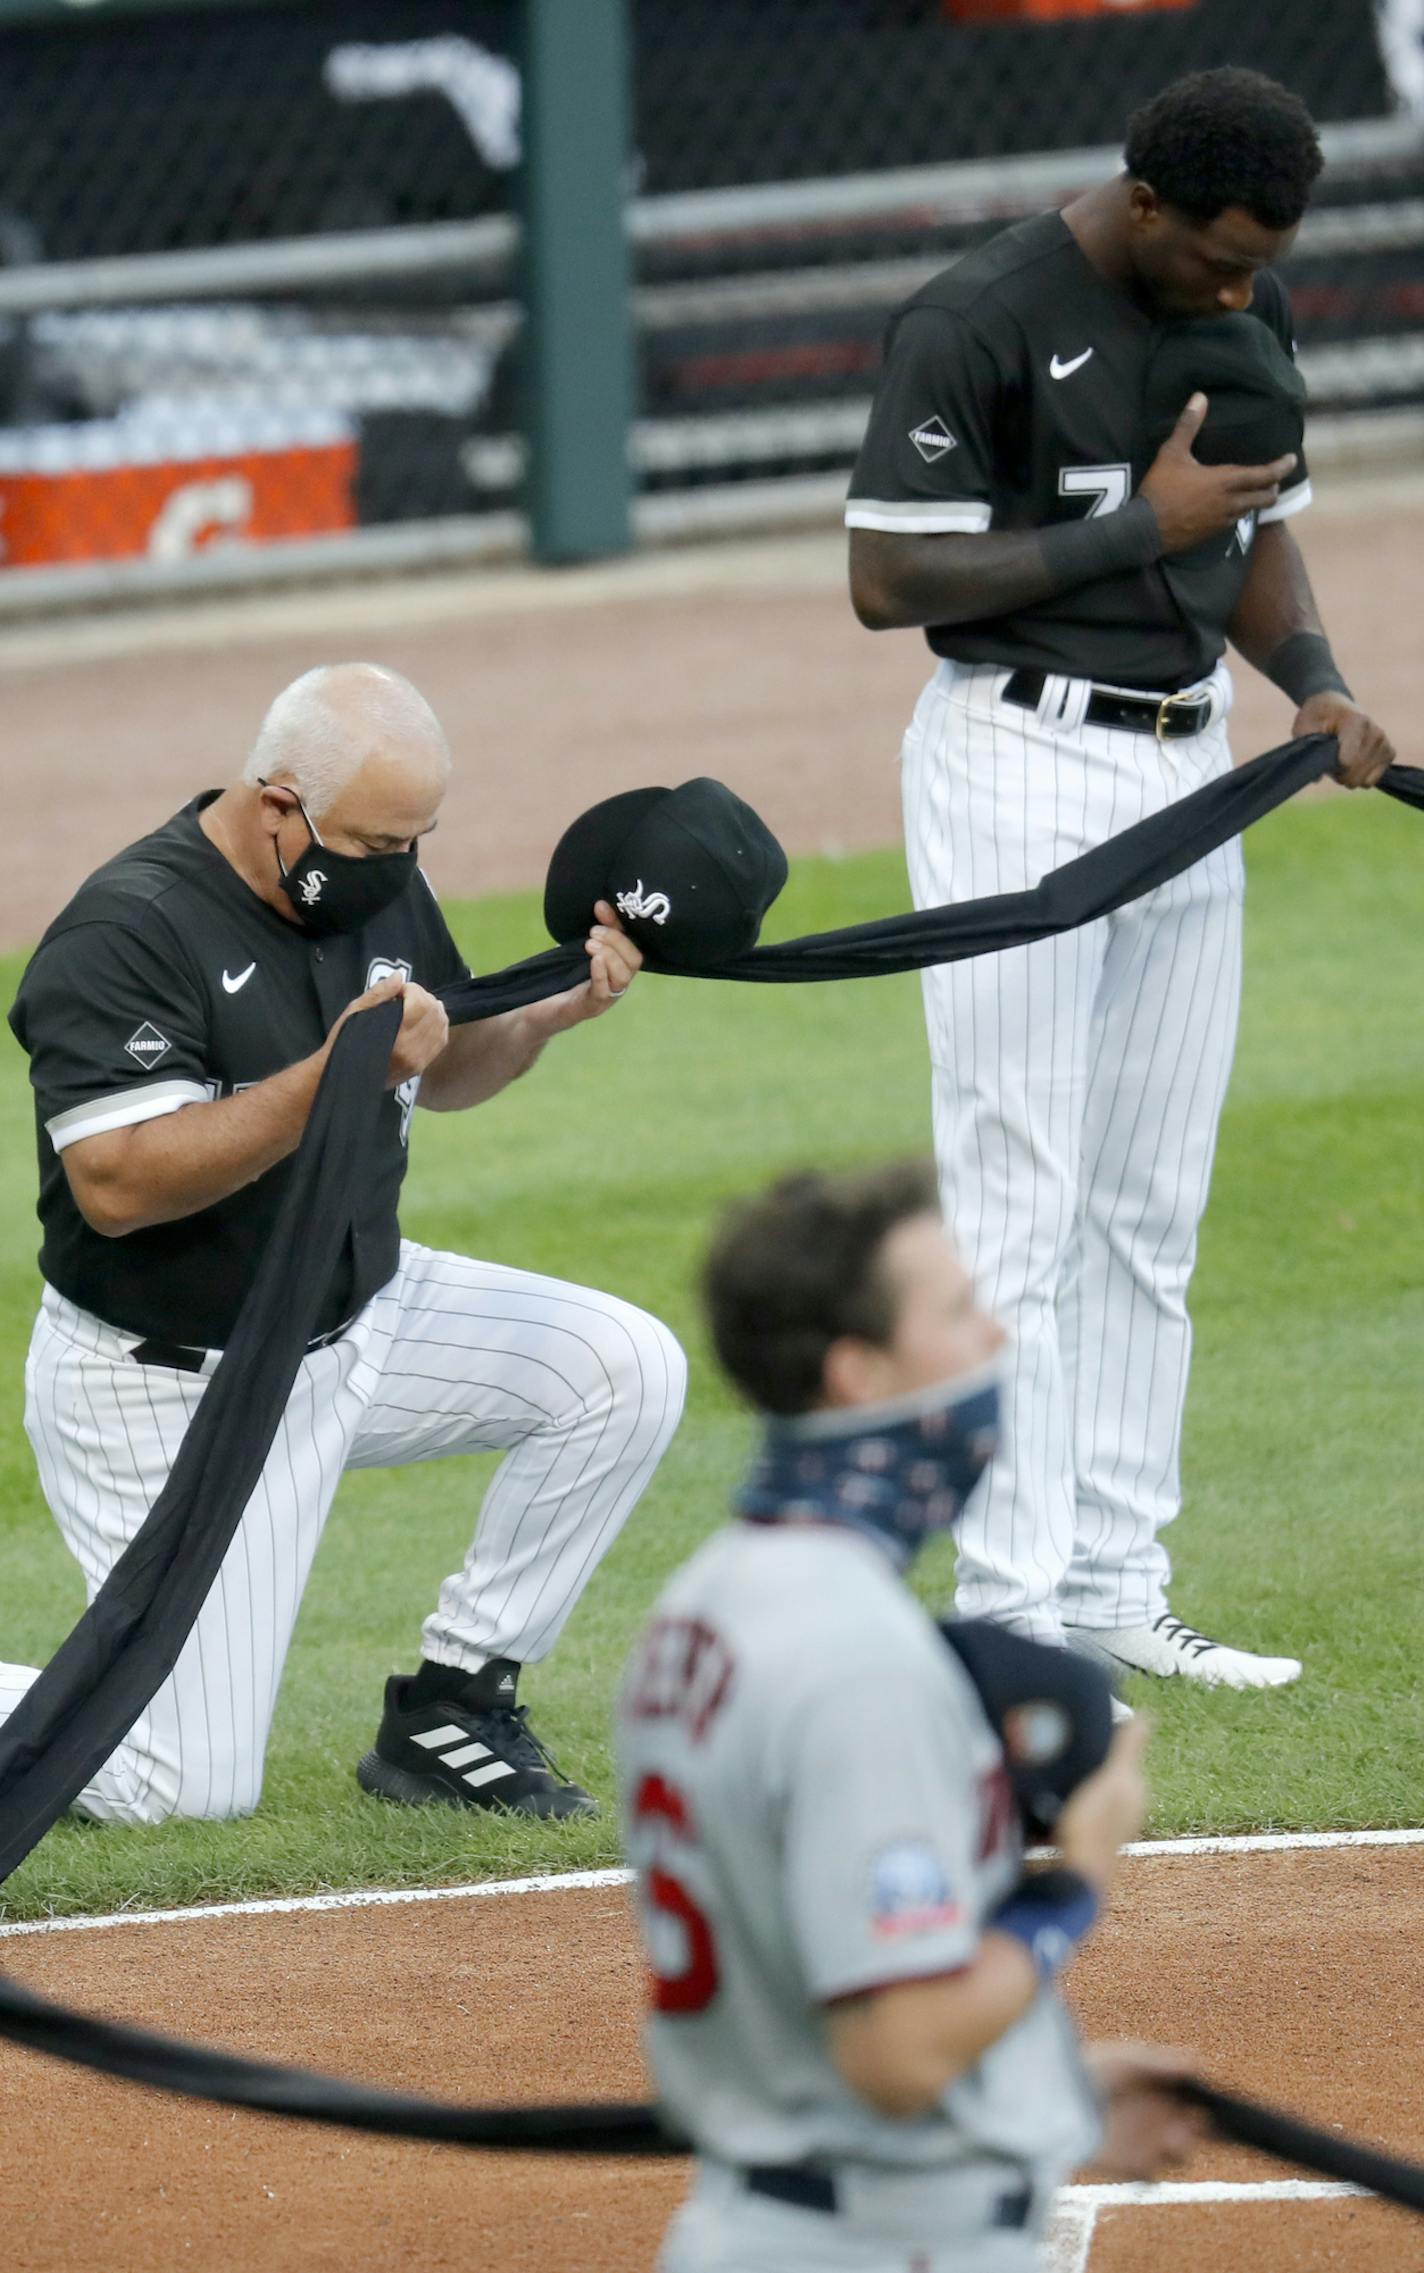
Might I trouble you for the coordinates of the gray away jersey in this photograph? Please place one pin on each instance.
(815, 1805)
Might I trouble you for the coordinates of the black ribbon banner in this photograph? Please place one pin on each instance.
(128, 1640)
(197, 2071)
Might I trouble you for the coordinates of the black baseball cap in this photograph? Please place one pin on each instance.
(691, 871)
(1255, 395)
(1051, 1711)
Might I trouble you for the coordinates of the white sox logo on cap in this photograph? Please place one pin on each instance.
(656, 907)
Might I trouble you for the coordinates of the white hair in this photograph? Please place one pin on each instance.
(321, 730)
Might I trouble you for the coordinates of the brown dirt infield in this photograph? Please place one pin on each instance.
(742, 661)
(1296, 1975)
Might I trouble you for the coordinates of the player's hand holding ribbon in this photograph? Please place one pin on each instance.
(1366, 751)
(614, 961)
(424, 1027)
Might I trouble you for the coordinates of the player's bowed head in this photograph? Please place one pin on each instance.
(1218, 170)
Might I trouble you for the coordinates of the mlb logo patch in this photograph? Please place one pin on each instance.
(147, 1045)
(910, 1891)
(932, 439)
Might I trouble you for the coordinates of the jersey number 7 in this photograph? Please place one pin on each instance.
(1108, 486)
(660, 1811)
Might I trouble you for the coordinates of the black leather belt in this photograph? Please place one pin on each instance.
(807, 2189)
(1170, 717)
(791, 2182)
(169, 1353)
(182, 1357)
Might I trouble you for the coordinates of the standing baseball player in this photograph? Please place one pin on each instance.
(178, 1015)
(1078, 588)
(854, 2018)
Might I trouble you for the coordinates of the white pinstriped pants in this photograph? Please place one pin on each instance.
(582, 1390)
(1077, 1087)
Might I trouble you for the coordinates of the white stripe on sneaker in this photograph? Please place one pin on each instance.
(489, 1775)
(464, 1754)
(449, 1734)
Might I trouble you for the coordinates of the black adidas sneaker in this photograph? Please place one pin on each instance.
(456, 1754)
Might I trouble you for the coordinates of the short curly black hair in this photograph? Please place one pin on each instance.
(1227, 137)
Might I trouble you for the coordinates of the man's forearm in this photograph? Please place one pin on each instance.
(899, 2048)
(162, 1170)
(479, 1060)
(898, 583)
(1277, 626)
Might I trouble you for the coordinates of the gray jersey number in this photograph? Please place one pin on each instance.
(1108, 486)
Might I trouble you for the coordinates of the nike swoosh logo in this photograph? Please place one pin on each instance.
(1057, 370)
(235, 986)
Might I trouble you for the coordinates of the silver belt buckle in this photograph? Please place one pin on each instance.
(1198, 701)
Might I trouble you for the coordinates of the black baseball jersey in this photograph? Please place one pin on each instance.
(1011, 398)
(167, 981)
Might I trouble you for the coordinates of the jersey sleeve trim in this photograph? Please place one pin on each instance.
(883, 1981)
(122, 1109)
(1294, 501)
(920, 518)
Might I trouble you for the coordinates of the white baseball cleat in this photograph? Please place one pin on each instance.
(1168, 1646)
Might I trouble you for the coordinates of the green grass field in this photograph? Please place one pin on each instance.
(1304, 1431)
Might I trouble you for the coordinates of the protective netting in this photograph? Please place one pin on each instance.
(795, 88)
(799, 166)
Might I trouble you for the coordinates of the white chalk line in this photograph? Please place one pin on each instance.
(1274, 1842)
(1212, 2190)
(578, 1881)
(1073, 2226)
(361, 1898)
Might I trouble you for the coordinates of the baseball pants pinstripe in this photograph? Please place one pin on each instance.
(1077, 1088)
(580, 1390)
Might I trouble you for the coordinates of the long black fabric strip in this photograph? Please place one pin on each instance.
(128, 1640)
(1250, 2123)
(1150, 853)
(1096, 884)
(198, 2072)
(1406, 783)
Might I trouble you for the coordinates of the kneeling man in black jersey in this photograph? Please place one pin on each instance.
(178, 1016)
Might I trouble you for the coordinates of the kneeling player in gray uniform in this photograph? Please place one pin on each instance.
(854, 2019)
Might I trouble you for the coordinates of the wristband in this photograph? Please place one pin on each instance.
(1078, 552)
(1303, 666)
(1050, 1912)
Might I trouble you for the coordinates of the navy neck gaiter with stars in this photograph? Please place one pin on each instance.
(899, 1472)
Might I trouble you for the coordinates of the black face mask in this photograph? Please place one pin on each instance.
(339, 891)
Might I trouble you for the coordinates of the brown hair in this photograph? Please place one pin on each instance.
(790, 1272)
